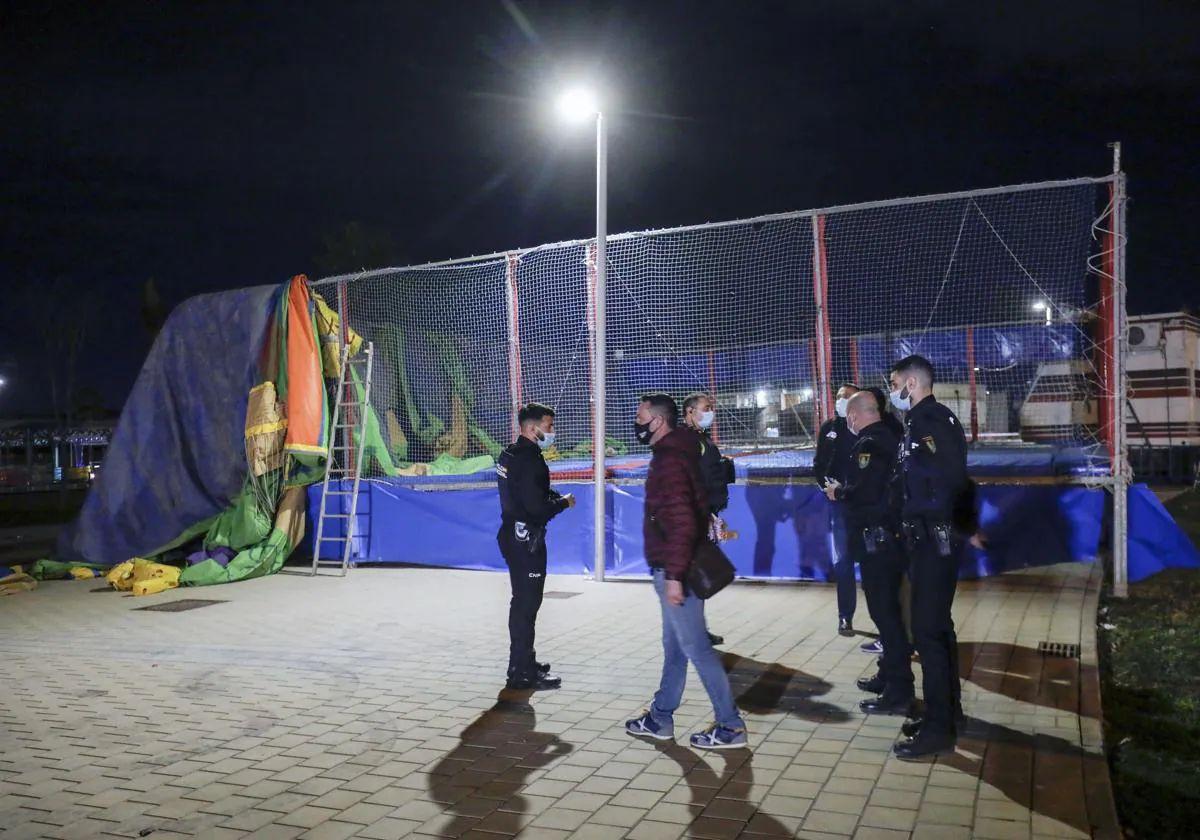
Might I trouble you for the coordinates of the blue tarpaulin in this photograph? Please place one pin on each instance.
(177, 456)
(1155, 540)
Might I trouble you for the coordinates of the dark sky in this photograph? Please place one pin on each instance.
(211, 146)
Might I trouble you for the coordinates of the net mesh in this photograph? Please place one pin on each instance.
(1003, 290)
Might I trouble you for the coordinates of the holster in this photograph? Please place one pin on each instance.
(876, 539)
(530, 536)
(917, 531)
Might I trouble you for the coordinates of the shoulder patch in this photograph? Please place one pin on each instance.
(864, 458)
(928, 441)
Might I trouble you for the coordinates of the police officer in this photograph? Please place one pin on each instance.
(932, 473)
(715, 469)
(527, 504)
(830, 464)
(872, 523)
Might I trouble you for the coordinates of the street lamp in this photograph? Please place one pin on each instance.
(577, 105)
(1043, 306)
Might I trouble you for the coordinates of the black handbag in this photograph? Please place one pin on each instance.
(710, 570)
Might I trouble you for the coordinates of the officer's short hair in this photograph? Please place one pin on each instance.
(533, 413)
(847, 385)
(664, 406)
(880, 399)
(917, 366)
(691, 399)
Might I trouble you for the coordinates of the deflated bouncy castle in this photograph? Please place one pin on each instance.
(225, 427)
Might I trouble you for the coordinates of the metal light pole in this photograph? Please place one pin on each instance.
(577, 105)
(600, 367)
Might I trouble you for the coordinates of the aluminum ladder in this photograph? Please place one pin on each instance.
(349, 421)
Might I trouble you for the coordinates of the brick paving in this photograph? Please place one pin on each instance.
(369, 706)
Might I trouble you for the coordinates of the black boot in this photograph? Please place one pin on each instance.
(925, 745)
(884, 704)
(871, 685)
(715, 640)
(845, 628)
(538, 682)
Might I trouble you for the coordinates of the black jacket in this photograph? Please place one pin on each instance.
(933, 462)
(832, 458)
(717, 473)
(868, 488)
(524, 482)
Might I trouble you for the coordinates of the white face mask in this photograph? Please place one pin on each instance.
(705, 419)
(545, 440)
(904, 403)
(840, 406)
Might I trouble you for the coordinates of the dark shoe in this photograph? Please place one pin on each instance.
(884, 705)
(910, 728)
(873, 646)
(715, 640)
(871, 685)
(542, 682)
(925, 745)
(543, 667)
(845, 628)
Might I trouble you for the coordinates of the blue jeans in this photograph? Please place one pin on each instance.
(843, 562)
(685, 639)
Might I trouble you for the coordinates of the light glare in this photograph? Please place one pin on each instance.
(577, 104)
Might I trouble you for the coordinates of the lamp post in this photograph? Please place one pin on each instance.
(578, 105)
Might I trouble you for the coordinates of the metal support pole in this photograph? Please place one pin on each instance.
(1120, 463)
(514, 341)
(824, 399)
(599, 377)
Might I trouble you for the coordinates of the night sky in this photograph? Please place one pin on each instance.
(211, 146)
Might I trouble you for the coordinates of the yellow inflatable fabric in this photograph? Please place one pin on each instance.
(143, 577)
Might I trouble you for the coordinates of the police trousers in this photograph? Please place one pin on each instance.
(934, 579)
(526, 561)
(882, 575)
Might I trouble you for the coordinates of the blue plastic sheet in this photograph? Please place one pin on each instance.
(177, 456)
(1155, 541)
(783, 529)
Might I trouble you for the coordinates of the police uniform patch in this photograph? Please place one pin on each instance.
(864, 458)
(928, 441)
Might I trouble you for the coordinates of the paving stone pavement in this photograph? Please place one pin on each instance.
(369, 706)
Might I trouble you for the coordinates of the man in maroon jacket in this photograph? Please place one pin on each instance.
(675, 519)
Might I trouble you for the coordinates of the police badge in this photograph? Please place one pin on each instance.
(864, 458)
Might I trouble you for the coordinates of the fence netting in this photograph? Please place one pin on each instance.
(1004, 290)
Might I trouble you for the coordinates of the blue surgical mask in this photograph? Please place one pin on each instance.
(545, 440)
(705, 420)
(841, 405)
(901, 399)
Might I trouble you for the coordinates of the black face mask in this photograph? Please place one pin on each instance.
(642, 432)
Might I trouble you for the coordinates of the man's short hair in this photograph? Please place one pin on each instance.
(664, 406)
(848, 385)
(533, 413)
(691, 399)
(880, 399)
(917, 366)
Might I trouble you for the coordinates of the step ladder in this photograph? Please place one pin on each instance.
(344, 458)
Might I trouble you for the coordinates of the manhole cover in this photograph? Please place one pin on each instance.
(560, 595)
(1059, 649)
(181, 605)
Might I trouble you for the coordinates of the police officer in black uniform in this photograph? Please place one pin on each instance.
(715, 469)
(830, 465)
(932, 473)
(527, 504)
(872, 523)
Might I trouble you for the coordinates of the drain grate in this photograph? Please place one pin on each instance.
(181, 605)
(1059, 649)
(560, 595)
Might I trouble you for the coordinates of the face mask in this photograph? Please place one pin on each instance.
(705, 420)
(545, 440)
(901, 399)
(642, 432)
(840, 406)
